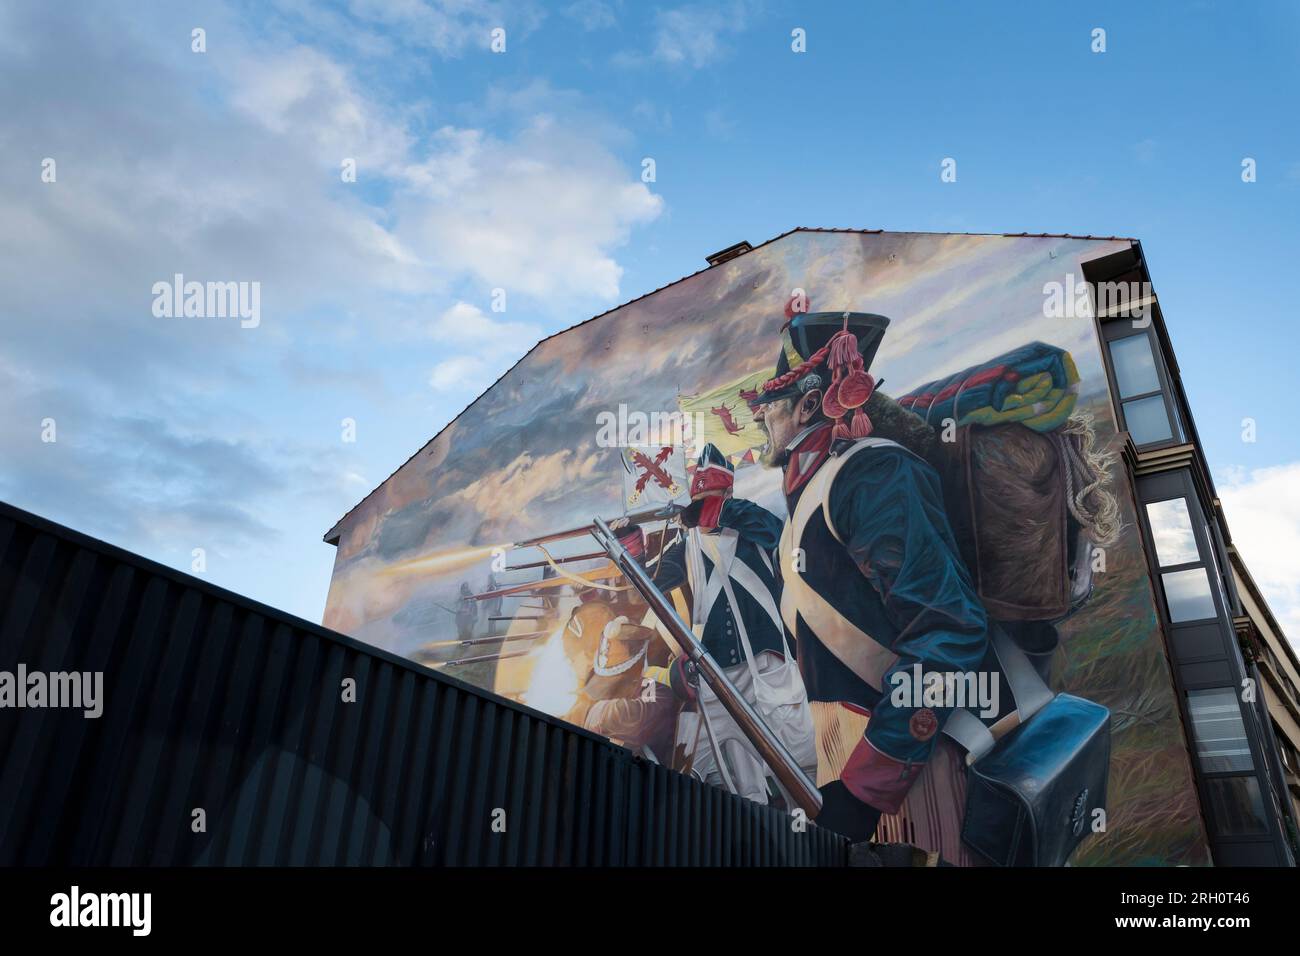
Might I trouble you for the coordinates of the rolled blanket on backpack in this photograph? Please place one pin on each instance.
(1034, 385)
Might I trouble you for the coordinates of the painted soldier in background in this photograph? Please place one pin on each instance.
(873, 585)
(466, 612)
(727, 554)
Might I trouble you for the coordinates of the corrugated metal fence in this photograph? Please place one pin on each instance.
(216, 703)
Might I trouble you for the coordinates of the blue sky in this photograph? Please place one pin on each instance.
(522, 171)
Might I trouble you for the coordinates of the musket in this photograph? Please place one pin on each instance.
(545, 564)
(659, 513)
(534, 588)
(529, 635)
(769, 746)
(479, 660)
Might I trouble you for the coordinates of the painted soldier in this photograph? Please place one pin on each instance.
(618, 702)
(874, 586)
(727, 553)
(466, 612)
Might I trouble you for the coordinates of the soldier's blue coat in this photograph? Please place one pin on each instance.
(759, 530)
(900, 578)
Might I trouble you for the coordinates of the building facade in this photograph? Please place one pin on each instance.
(1271, 661)
(1007, 441)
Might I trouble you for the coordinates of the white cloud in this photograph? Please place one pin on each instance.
(309, 99)
(654, 116)
(494, 345)
(458, 374)
(591, 14)
(468, 325)
(1263, 510)
(693, 36)
(690, 37)
(449, 27)
(226, 167)
(539, 213)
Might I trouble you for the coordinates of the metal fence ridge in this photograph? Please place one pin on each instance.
(235, 734)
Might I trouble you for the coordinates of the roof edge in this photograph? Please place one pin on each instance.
(335, 532)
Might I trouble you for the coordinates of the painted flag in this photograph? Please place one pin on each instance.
(726, 419)
(654, 475)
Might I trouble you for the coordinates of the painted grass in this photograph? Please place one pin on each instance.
(1112, 653)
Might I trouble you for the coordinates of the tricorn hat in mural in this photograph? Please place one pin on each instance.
(830, 351)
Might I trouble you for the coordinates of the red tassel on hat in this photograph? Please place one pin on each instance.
(831, 398)
(850, 387)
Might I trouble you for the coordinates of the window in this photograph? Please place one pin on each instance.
(1223, 731)
(1135, 366)
(1144, 398)
(1232, 790)
(1171, 527)
(1236, 806)
(1187, 585)
(1188, 595)
(1147, 421)
(1220, 733)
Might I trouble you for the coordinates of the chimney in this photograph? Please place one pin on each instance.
(729, 253)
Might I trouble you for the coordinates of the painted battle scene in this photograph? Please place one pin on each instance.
(877, 477)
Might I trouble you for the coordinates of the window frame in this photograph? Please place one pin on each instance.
(1217, 665)
(1204, 543)
(1123, 327)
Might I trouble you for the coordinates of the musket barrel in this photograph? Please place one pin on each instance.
(769, 746)
(477, 660)
(495, 638)
(637, 518)
(567, 560)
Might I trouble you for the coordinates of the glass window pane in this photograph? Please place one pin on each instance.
(1236, 806)
(1171, 527)
(1135, 367)
(1146, 420)
(1188, 595)
(1218, 730)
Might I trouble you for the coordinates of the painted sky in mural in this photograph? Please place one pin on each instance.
(524, 460)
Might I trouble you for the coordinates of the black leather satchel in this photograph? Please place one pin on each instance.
(1031, 795)
(1030, 800)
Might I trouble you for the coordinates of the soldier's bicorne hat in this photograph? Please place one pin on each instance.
(830, 351)
(620, 659)
(713, 472)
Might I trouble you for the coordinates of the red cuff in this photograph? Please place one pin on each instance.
(877, 779)
(710, 512)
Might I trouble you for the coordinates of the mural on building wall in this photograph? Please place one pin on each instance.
(877, 476)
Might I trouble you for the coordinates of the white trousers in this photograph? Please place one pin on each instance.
(746, 768)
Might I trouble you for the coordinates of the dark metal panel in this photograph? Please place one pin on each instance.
(215, 702)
